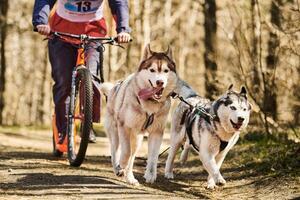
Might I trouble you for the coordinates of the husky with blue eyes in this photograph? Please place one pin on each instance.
(212, 138)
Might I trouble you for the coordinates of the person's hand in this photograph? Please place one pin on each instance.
(123, 37)
(43, 29)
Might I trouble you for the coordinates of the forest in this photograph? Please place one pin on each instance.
(249, 43)
(252, 43)
(215, 43)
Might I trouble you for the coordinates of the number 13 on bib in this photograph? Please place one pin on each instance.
(80, 11)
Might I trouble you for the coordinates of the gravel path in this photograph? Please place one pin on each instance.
(29, 171)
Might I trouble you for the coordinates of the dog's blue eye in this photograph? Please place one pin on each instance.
(152, 70)
(166, 71)
(232, 107)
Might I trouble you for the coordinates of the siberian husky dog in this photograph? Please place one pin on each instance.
(138, 105)
(211, 137)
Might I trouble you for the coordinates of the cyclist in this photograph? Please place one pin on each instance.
(75, 17)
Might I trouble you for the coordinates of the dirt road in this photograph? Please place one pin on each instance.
(29, 171)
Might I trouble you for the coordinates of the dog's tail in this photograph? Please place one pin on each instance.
(106, 87)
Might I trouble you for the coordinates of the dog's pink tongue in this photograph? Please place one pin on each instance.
(146, 93)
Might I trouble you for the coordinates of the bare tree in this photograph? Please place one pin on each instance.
(250, 33)
(254, 54)
(210, 42)
(270, 96)
(3, 25)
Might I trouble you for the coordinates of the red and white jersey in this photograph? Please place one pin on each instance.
(80, 11)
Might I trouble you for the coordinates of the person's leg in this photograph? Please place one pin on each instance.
(62, 57)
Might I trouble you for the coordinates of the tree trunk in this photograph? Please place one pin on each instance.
(3, 25)
(254, 41)
(210, 42)
(146, 22)
(296, 107)
(270, 95)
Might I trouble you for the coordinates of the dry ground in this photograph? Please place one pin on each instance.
(29, 171)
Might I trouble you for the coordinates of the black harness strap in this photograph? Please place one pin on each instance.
(189, 127)
(149, 120)
(184, 116)
(138, 100)
(175, 95)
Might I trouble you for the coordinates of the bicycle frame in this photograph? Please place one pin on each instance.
(80, 63)
(72, 113)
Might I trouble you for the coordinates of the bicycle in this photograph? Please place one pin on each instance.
(80, 102)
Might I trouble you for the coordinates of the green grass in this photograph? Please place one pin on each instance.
(269, 154)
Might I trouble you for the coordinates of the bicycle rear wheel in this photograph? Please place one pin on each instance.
(80, 117)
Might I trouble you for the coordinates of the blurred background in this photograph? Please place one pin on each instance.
(255, 43)
(215, 43)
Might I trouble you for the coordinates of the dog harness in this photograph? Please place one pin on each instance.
(189, 118)
(149, 118)
(189, 122)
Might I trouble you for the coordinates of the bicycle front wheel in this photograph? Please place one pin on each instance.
(80, 117)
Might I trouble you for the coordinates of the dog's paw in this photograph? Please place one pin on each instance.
(169, 175)
(119, 171)
(211, 184)
(221, 180)
(150, 177)
(131, 180)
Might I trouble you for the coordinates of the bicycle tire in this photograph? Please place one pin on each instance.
(101, 71)
(84, 95)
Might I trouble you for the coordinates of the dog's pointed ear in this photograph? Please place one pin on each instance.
(243, 91)
(147, 52)
(169, 52)
(250, 106)
(230, 87)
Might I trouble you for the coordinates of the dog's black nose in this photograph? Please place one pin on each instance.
(159, 83)
(241, 119)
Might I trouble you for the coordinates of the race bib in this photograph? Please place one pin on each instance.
(80, 10)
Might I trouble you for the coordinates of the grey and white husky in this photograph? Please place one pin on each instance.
(212, 138)
(138, 105)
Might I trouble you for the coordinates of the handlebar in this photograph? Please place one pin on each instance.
(84, 37)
